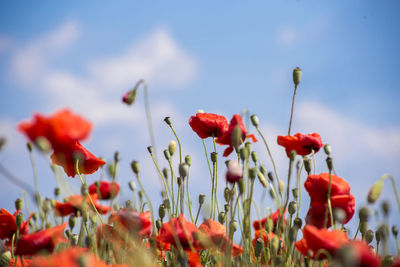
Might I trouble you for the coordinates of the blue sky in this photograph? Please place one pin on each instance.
(220, 57)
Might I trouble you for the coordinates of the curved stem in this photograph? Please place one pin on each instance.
(292, 109)
(269, 152)
(189, 201)
(148, 201)
(179, 144)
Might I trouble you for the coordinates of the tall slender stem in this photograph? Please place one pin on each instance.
(269, 152)
(148, 200)
(292, 109)
(329, 203)
(179, 144)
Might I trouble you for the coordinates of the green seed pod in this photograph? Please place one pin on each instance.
(172, 147)
(167, 155)
(258, 248)
(57, 191)
(5, 259)
(128, 204)
(252, 173)
(243, 153)
(281, 186)
(150, 149)
(132, 186)
(261, 178)
(183, 170)
(295, 192)
(292, 208)
(167, 204)
(387, 261)
(227, 194)
(385, 208)
(221, 217)
(214, 157)
(248, 146)
(369, 236)
(165, 173)
(364, 214)
(375, 192)
(236, 137)
(297, 222)
(161, 211)
(29, 146)
(327, 149)
(241, 186)
(293, 154)
(19, 219)
(272, 193)
(158, 224)
(202, 198)
(135, 167)
(71, 222)
(167, 120)
(226, 208)
(339, 215)
(307, 165)
(329, 163)
(84, 190)
(74, 239)
(275, 244)
(383, 231)
(188, 160)
(68, 233)
(19, 204)
(269, 225)
(234, 225)
(297, 75)
(363, 227)
(254, 120)
(395, 230)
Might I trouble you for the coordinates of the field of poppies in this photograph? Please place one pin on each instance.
(93, 229)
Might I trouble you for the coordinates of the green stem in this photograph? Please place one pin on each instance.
(189, 201)
(179, 144)
(172, 183)
(167, 190)
(299, 189)
(34, 171)
(198, 213)
(329, 203)
(292, 109)
(314, 162)
(149, 202)
(216, 176)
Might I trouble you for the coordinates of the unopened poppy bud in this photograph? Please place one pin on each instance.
(247, 145)
(128, 204)
(293, 234)
(254, 156)
(172, 147)
(387, 261)
(383, 231)
(221, 217)
(84, 190)
(298, 222)
(226, 194)
(116, 156)
(369, 236)
(34, 216)
(227, 162)
(254, 120)
(236, 137)
(363, 227)
(261, 178)
(19, 204)
(112, 169)
(378, 236)
(281, 186)
(3, 141)
(292, 207)
(74, 239)
(385, 208)
(226, 208)
(150, 149)
(293, 155)
(252, 173)
(241, 186)
(140, 194)
(115, 206)
(130, 97)
(68, 233)
(56, 191)
(167, 120)
(18, 219)
(375, 191)
(271, 176)
(295, 192)
(214, 157)
(135, 167)
(5, 259)
(132, 186)
(43, 144)
(363, 214)
(167, 204)
(329, 163)
(167, 155)
(234, 225)
(244, 153)
(307, 165)
(165, 173)
(258, 247)
(269, 225)
(339, 215)
(48, 225)
(327, 149)
(234, 172)
(158, 224)
(183, 170)
(202, 198)
(188, 160)
(161, 211)
(272, 193)
(275, 244)
(29, 146)
(296, 76)
(46, 205)
(71, 221)
(395, 230)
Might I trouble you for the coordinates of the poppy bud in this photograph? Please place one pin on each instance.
(18, 219)
(254, 120)
(293, 155)
(29, 146)
(375, 192)
(158, 224)
(281, 186)
(296, 75)
(5, 259)
(84, 190)
(234, 172)
(68, 233)
(272, 193)
(167, 120)
(269, 225)
(188, 160)
(254, 156)
(226, 194)
(140, 194)
(111, 169)
(387, 261)
(202, 198)
(395, 230)
(46, 205)
(252, 173)
(214, 157)
(226, 208)
(74, 239)
(363, 214)
(329, 163)
(167, 155)
(130, 97)
(377, 236)
(383, 231)
(165, 173)
(244, 153)
(262, 180)
(339, 215)
(19, 204)
(167, 204)
(221, 217)
(327, 149)
(258, 247)
(43, 144)
(292, 207)
(298, 222)
(369, 236)
(135, 167)
(132, 186)
(236, 137)
(275, 244)
(295, 192)
(71, 222)
(363, 227)
(34, 216)
(128, 204)
(271, 176)
(307, 165)
(248, 146)
(386, 208)
(234, 225)
(172, 147)
(56, 191)
(183, 170)
(161, 211)
(150, 149)
(116, 156)
(241, 186)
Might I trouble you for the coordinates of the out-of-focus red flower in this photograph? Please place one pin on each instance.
(216, 233)
(315, 239)
(225, 138)
(234, 172)
(208, 125)
(132, 221)
(364, 256)
(60, 128)
(26, 262)
(396, 262)
(317, 186)
(8, 225)
(194, 259)
(67, 155)
(266, 238)
(260, 224)
(316, 212)
(43, 240)
(75, 203)
(301, 143)
(182, 229)
(106, 189)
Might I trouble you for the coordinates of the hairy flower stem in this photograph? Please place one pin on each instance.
(292, 109)
(198, 213)
(282, 210)
(299, 190)
(179, 143)
(396, 194)
(172, 183)
(189, 202)
(149, 202)
(329, 204)
(34, 171)
(314, 161)
(166, 187)
(216, 177)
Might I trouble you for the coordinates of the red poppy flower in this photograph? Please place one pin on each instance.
(363, 255)
(194, 259)
(43, 240)
(260, 224)
(302, 144)
(315, 239)
(234, 172)
(132, 221)
(316, 212)
(225, 138)
(26, 262)
(266, 238)
(66, 157)
(75, 203)
(106, 189)
(8, 225)
(208, 125)
(317, 186)
(180, 228)
(60, 128)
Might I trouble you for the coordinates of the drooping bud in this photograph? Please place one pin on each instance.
(292, 208)
(244, 153)
(234, 172)
(369, 236)
(188, 160)
(130, 97)
(298, 222)
(395, 230)
(161, 211)
(135, 167)
(202, 198)
(221, 217)
(262, 180)
(172, 147)
(214, 157)
(167, 155)
(375, 191)
(132, 186)
(236, 137)
(258, 247)
(168, 122)
(307, 165)
(327, 149)
(271, 176)
(329, 163)
(19, 204)
(254, 120)
(71, 222)
(363, 214)
(296, 76)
